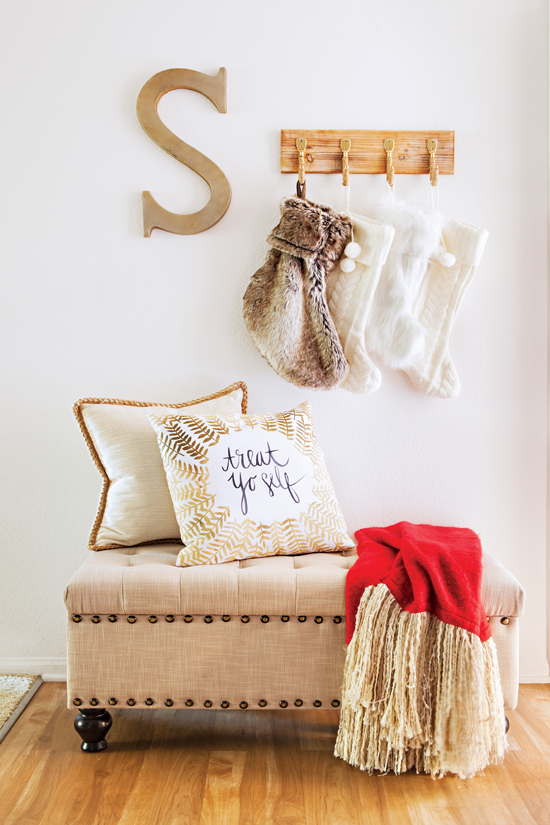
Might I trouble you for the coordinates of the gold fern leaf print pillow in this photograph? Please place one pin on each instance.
(246, 486)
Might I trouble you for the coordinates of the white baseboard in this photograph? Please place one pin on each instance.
(534, 671)
(50, 669)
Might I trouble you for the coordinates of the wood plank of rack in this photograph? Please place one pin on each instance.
(367, 155)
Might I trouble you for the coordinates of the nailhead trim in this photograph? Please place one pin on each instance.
(168, 702)
(245, 619)
(112, 618)
(189, 703)
(208, 704)
(298, 703)
(113, 701)
(337, 620)
(153, 619)
(243, 705)
(188, 619)
(208, 619)
(226, 618)
(77, 702)
(283, 703)
(149, 702)
(317, 704)
(132, 619)
(262, 703)
(131, 702)
(318, 620)
(96, 619)
(335, 703)
(302, 618)
(170, 618)
(505, 620)
(285, 618)
(94, 702)
(265, 619)
(224, 704)
(77, 618)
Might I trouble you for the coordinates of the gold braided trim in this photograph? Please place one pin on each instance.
(77, 410)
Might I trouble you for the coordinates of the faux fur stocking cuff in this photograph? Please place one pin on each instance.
(307, 229)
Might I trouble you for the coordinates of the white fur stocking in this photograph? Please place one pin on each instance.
(350, 297)
(392, 330)
(437, 305)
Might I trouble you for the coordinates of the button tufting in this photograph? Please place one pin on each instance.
(224, 704)
(302, 618)
(113, 618)
(168, 702)
(132, 619)
(283, 703)
(208, 704)
(335, 703)
(112, 701)
(131, 702)
(77, 702)
(318, 620)
(77, 618)
(226, 618)
(188, 619)
(149, 702)
(337, 620)
(189, 703)
(298, 703)
(265, 619)
(96, 619)
(170, 618)
(208, 619)
(262, 703)
(317, 704)
(243, 705)
(285, 618)
(153, 619)
(245, 619)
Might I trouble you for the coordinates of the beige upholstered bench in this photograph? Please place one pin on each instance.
(259, 633)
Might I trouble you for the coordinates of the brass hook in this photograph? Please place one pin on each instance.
(434, 170)
(345, 146)
(301, 144)
(388, 146)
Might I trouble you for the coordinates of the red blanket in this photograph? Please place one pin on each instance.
(426, 568)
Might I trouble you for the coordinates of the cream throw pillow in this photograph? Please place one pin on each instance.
(246, 486)
(135, 506)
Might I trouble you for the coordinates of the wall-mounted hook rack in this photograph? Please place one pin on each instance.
(324, 154)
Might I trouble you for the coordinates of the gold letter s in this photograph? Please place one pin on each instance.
(215, 89)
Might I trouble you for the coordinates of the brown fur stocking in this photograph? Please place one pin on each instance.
(285, 306)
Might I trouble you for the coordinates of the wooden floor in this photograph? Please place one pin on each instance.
(167, 767)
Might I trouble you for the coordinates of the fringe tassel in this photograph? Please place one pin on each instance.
(418, 693)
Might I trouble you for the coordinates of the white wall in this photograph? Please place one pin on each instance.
(90, 307)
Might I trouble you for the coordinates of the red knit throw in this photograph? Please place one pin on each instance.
(426, 568)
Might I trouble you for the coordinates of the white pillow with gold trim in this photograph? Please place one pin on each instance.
(245, 486)
(135, 505)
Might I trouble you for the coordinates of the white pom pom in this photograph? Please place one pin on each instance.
(447, 259)
(352, 250)
(347, 265)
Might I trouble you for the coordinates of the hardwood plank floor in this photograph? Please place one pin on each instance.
(167, 767)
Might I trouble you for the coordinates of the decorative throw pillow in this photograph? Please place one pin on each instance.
(135, 505)
(245, 486)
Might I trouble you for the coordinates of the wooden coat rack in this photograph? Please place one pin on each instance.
(323, 153)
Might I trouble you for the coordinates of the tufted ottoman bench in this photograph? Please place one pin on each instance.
(259, 633)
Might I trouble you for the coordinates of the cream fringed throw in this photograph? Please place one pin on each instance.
(419, 690)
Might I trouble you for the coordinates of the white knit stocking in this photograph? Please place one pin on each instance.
(350, 297)
(436, 307)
